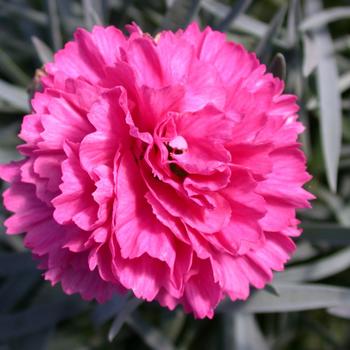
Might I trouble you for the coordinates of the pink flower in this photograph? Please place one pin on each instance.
(167, 166)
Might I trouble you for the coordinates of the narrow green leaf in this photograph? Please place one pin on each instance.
(8, 154)
(54, 23)
(239, 7)
(6, 107)
(15, 243)
(15, 263)
(68, 16)
(243, 22)
(304, 118)
(37, 318)
(104, 312)
(293, 21)
(311, 55)
(344, 82)
(180, 14)
(317, 270)
(169, 3)
(271, 289)
(330, 101)
(247, 334)
(43, 51)
(9, 68)
(292, 297)
(173, 326)
(264, 47)
(322, 18)
(333, 201)
(15, 288)
(346, 129)
(14, 96)
(93, 13)
(305, 251)
(10, 7)
(340, 311)
(342, 43)
(330, 109)
(35, 341)
(323, 233)
(149, 334)
(122, 316)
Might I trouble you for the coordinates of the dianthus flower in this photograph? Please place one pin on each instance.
(167, 166)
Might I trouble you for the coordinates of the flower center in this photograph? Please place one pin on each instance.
(175, 147)
(178, 145)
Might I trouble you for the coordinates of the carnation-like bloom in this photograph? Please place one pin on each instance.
(167, 166)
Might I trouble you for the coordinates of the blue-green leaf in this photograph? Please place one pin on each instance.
(240, 6)
(149, 334)
(264, 46)
(14, 95)
(292, 297)
(180, 14)
(44, 53)
(37, 318)
(317, 270)
(324, 17)
(330, 234)
(246, 333)
(54, 23)
(122, 316)
(330, 100)
(93, 13)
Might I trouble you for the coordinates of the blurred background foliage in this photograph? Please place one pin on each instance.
(308, 306)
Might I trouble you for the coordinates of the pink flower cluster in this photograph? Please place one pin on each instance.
(167, 166)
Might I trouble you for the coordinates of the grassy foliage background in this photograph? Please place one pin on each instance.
(308, 306)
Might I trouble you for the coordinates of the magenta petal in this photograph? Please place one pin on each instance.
(202, 294)
(229, 274)
(11, 172)
(64, 123)
(144, 276)
(143, 58)
(206, 220)
(137, 230)
(97, 149)
(168, 167)
(75, 203)
(20, 198)
(79, 58)
(103, 37)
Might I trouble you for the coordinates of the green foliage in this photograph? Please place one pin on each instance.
(307, 43)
